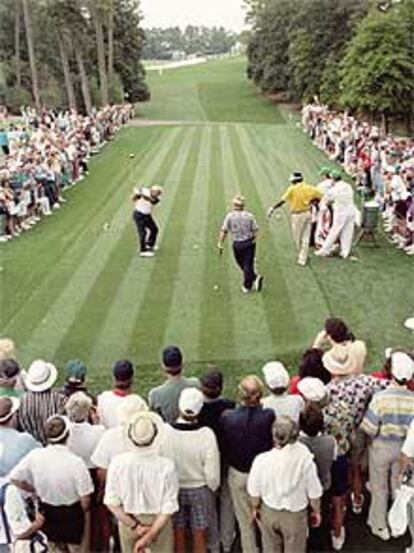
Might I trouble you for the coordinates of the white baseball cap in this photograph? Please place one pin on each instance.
(275, 375)
(402, 366)
(191, 401)
(312, 388)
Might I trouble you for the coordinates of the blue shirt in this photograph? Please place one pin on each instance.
(14, 446)
(245, 432)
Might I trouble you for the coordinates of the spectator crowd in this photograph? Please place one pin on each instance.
(187, 467)
(44, 154)
(381, 165)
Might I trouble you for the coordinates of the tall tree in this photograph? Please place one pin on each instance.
(30, 46)
(98, 10)
(110, 33)
(17, 17)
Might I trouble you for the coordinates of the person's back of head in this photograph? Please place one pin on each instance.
(57, 429)
(172, 360)
(402, 367)
(311, 420)
(9, 372)
(212, 384)
(337, 330)
(250, 391)
(190, 404)
(285, 431)
(276, 377)
(123, 373)
(311, 365)
(78, 407)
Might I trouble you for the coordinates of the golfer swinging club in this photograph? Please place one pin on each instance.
(145, 199)
(243, 228)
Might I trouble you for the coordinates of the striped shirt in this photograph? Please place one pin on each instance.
(389, 414)
(35, 408)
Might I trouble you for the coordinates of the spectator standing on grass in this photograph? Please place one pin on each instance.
(142, 488)
(164, 399)
(196, 457)
(40, 401)
(144, 201)
(108, 401)
(386, 423)
(277, 380)
(214, 406)
(300, 197)
(9, 373)
(14, 445)
(282, 485)
(245, 432)
(75, 372)
(62, 483)
(243, 228)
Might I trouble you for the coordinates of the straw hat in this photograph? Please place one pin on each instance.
(144, 431)
(41, 376)
(346, 358)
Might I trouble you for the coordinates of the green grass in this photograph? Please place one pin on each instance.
(70, 289)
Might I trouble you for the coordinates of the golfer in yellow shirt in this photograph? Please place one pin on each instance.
(299, 196)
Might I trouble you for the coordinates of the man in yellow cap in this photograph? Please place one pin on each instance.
(243, 228)
(300, 197)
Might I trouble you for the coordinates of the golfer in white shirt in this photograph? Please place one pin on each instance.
(341, 196)
(144, 201)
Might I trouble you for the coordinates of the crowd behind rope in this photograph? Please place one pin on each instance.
(44, 154)
(187, 466)
(381, 164)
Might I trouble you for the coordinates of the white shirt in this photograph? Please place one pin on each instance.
(111, 443)
(83, 439)
(195, 454)
(398, 189)
(342, 196)
(142, 204)
(16, 514)
(108, 402)
(408, 446)
(285, 478)
(286, 405)
(142, 483)
(59, 476)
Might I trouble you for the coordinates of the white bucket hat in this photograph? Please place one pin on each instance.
(41, 376)
(312, 389)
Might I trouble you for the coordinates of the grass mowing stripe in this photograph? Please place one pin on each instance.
(186, 303)
(158, 293)
(112, 341)
(250, 325)
(48, 335)
(217, 336)
(68, 247)
(277, 299)
(307, 303)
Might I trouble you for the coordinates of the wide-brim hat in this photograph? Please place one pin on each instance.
(296, 176)
(41, 376)
(345, 359)
(14, 407)
(144, 432)
(239, 201)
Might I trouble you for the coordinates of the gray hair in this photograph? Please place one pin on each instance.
(285, 431)
(78, 407)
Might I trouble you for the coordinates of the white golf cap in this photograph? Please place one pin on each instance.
(312, 389)
(191, 401)
(402, 366)
(275, 375)
(41, 376)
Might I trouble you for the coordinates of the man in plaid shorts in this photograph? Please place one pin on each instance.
(196, 457)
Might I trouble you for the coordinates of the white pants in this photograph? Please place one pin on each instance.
(301, 230)
(342, 229)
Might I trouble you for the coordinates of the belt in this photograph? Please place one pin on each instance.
(299, 212)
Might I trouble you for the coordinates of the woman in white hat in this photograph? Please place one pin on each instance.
(142, 488)
(40, 401)
(243, 228)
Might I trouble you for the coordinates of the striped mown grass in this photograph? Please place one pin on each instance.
(70, 289)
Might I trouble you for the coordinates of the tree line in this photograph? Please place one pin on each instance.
(74, 53)
(163, 44)
(352, 54)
